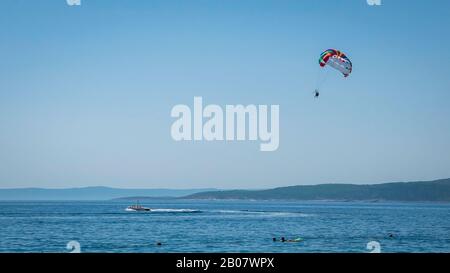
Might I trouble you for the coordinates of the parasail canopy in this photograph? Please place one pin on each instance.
(337, 60)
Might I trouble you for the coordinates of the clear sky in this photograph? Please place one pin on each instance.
(86, 92)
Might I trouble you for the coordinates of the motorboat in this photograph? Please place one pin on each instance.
(137, 207)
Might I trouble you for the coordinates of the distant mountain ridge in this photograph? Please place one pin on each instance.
(89, 193)
(433, 191)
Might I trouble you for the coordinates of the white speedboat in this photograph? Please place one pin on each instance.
(137, 207)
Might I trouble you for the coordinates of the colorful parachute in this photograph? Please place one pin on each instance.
(337, 60)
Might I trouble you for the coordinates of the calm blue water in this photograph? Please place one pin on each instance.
(223, 226)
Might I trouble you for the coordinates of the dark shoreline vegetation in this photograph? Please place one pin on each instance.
(429, 191)
(422, 191)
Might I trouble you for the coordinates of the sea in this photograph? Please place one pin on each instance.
(176, 225)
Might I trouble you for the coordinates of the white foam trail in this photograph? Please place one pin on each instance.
(265, 213)
(175, 210)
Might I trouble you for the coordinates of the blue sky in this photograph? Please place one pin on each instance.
(86, 92)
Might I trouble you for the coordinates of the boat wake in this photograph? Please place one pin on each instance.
(176, 210)
(265, 213)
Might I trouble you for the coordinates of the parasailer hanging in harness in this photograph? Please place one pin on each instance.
(337, 60)
(316, 93)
